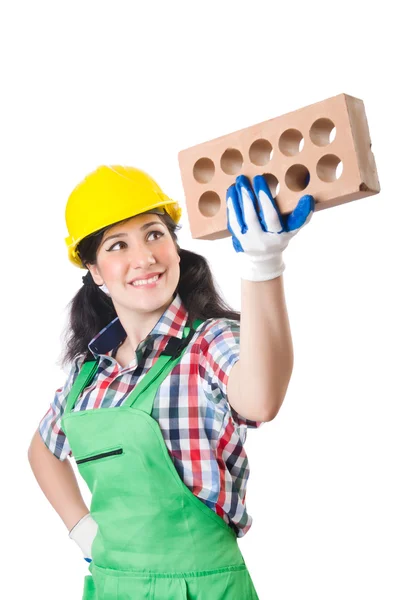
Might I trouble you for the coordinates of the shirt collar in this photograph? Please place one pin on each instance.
(171, 323)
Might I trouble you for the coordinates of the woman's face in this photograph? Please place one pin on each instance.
(137, 250)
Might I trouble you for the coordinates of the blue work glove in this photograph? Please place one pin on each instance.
(83, 533)
(260, 233)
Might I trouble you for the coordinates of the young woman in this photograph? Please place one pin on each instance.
(177, 379)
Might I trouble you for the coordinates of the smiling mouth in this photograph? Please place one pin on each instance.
(140, 283)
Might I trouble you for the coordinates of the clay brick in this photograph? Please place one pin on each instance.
(296, 152)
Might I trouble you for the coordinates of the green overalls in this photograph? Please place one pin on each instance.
(156, 540)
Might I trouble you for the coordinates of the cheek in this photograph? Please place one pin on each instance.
(111, 270)
(168, 256)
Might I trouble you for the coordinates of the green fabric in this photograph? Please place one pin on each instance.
(156, 540)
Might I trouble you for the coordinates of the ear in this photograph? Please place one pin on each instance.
(95, 274)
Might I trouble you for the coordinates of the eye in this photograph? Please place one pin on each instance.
(161, 233)
(111, 247)
(154, 231)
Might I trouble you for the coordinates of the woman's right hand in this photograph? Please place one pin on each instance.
(83, 533)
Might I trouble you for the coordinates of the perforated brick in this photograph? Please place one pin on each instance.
(323, 149)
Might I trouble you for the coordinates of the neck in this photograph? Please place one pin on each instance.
(138, 325)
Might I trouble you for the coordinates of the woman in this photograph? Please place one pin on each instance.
(156, 349)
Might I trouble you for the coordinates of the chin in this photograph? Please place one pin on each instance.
(157, 301)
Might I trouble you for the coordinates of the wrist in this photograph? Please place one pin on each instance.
(259, 267)
(83, 533)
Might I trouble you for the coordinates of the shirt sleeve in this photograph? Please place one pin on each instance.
(219, 351)
(50, 425)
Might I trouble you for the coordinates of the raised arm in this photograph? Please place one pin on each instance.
(259, 380)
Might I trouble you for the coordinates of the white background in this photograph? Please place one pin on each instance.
(90, 83)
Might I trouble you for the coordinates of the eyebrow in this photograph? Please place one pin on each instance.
(145, 226)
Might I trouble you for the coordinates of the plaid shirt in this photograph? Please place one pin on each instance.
(203, 433)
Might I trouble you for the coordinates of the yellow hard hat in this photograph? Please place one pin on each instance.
(108, 195)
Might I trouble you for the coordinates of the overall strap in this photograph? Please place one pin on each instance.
(86, 374)
(169, 357)
(167, 360)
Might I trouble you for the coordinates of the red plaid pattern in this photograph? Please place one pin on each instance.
(204, 435)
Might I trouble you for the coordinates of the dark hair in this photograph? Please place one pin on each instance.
(90, 310)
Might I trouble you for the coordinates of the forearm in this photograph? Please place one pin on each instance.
(58, 482)
(266, 350)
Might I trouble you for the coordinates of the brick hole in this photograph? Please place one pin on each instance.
(231, 161)
(209, 204)
(203, 170)
(329, 168)
(260, 152)
(322, 132)
(297, 178)
(291, 142)
(273, 183)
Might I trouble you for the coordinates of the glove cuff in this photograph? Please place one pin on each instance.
(260, 268)
(83, 533)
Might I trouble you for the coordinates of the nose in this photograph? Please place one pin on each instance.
(141, 256)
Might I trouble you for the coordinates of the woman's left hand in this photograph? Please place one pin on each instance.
(260, 233)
